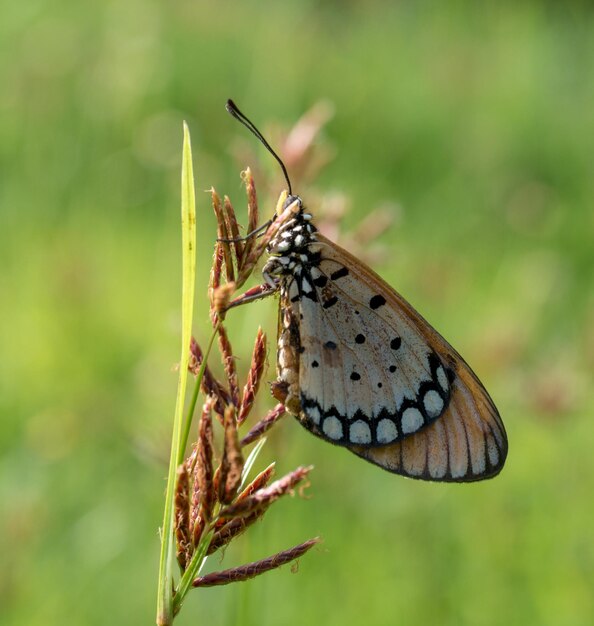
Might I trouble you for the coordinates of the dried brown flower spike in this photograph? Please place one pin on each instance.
(212, 500)
(245, 572)
(254, 377)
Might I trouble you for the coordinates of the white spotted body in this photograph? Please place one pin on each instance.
(362, 369)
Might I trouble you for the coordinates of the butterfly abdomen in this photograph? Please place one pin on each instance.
(286, 388)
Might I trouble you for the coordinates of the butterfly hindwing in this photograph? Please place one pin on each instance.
(371, 378)
(360, 368)
(375, 377)
(466, 443)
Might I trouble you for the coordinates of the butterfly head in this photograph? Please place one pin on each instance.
(287, 200)
(293, 215)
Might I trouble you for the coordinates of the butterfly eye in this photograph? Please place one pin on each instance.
(289, 201)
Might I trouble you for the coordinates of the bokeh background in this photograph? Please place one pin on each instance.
(472, 121)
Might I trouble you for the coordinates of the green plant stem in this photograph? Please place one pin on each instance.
(192, 571)
(190, 413)
(188, 223)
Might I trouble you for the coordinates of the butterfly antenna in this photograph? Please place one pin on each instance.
(238, 115)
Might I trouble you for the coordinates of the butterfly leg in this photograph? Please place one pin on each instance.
(271, 286)
(255, 293)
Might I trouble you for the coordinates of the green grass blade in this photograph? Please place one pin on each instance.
(188, 221)
(190, 412)
(249, 462)
(192, 571)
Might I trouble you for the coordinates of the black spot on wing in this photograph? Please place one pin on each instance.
(377, 301)
(360, 338)
(341, 273)
(330, 302)
(395, 343)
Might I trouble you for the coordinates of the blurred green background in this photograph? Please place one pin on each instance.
(474, 119)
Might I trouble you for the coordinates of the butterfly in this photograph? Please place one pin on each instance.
(360, 368)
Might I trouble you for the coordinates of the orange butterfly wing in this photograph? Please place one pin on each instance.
(468, 442)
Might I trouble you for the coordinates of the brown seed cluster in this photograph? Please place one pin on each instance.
(214, 501)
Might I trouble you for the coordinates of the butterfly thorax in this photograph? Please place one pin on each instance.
(289, 249)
